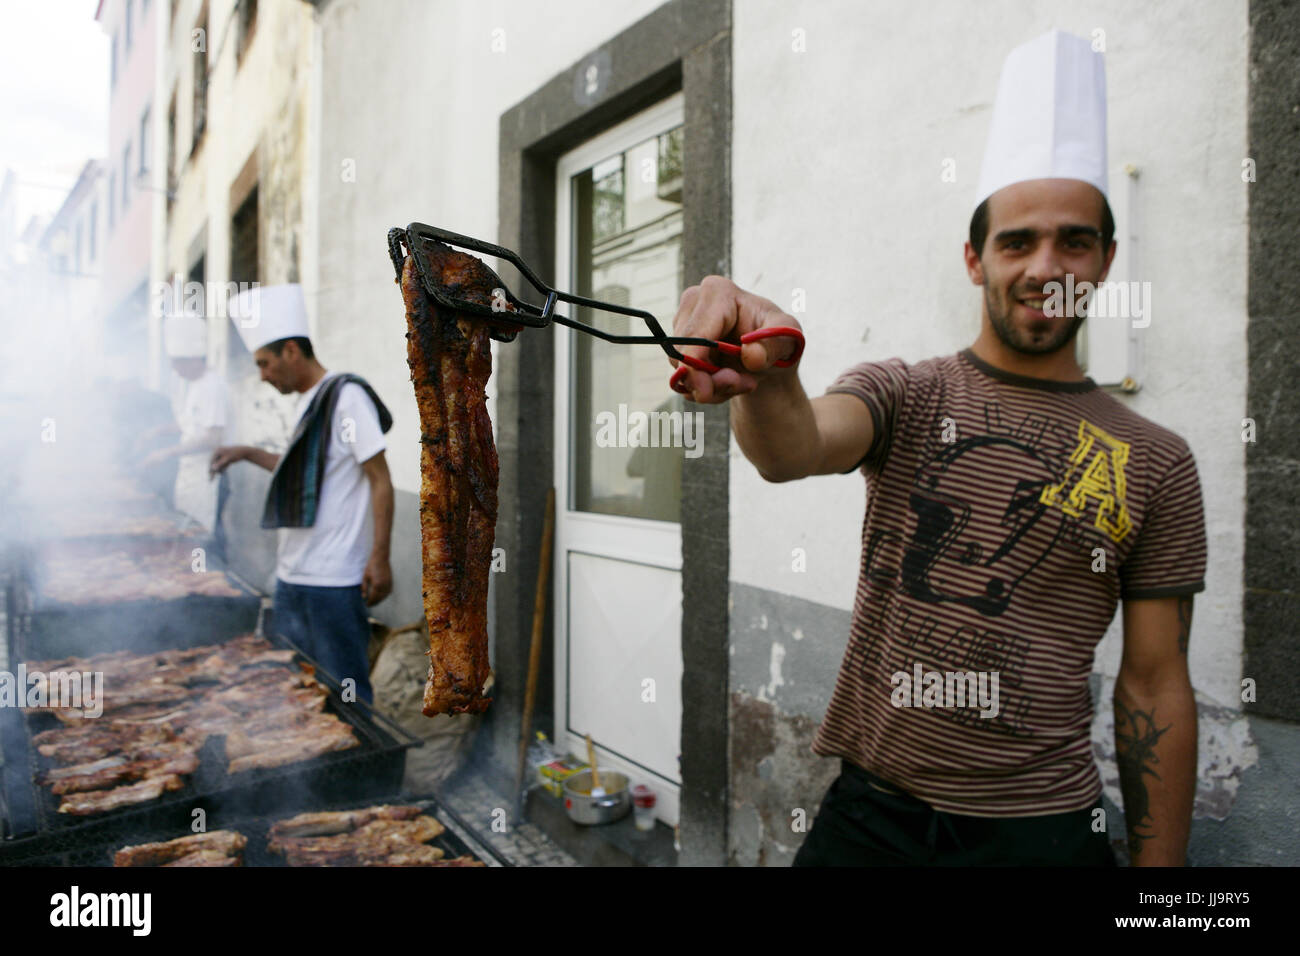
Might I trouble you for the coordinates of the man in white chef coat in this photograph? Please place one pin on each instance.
(331, 496)
(204, 420)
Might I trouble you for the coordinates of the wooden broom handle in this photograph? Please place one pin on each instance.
(535, 648)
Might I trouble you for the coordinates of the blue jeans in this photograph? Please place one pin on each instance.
(329, 625)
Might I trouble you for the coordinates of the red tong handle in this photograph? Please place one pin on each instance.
(768, 332)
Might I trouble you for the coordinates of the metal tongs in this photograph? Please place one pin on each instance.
(506, 322)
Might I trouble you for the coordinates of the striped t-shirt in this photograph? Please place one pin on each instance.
(1006, 517)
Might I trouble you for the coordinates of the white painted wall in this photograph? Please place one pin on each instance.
(837, 155)
(254, 103)
(421, 133)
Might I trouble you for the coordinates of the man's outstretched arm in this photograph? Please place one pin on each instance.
(778, 428)
(1155, 730)
(227, 455)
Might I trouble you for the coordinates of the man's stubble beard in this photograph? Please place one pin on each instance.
(1013, 338)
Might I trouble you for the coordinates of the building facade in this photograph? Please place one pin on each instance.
(697, 614)
(234, 79)
(130, 194)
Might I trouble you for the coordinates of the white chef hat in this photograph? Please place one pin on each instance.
(269, 313)
(186, 334)
(1049, 119)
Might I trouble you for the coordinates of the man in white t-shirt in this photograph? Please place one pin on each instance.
(331, 496)
(204, 419)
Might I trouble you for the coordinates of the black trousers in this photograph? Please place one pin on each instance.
(858, 825)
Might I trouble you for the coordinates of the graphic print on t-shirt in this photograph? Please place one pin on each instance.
(1006, 518)
(1096, 475)
(1050, 498)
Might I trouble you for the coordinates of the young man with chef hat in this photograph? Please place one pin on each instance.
(331, 496)
(1012, 504)
(204, 420)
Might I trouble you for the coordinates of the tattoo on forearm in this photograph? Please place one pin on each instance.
(1136, 735)
(1184, 621)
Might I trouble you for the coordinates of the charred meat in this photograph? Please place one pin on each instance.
(374, 836)
(450, 360)
(218, 848)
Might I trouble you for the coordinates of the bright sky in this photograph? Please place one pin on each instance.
(53, 97)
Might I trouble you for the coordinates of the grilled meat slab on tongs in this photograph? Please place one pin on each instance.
(455, 304)
(450, 358)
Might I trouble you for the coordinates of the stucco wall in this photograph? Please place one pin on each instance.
(411, 95)
(126, 251)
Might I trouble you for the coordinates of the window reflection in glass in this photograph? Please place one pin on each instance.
(628, 430)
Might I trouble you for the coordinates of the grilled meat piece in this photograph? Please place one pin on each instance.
(227, 844)
(375, 836)
(459, 861)
(207, 858)
(251, 694)
(100, 801)
(298, 727)
(128, 754)
(326, 736)
(88, 741)
(378, 830)
(182, 763)
(366, 856)
(99, 780)
(325, 824)
(132, 713)
(450, 360)
(77, 770)
(407, 856)
(152, 692)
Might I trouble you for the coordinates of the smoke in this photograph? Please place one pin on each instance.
(74, 459)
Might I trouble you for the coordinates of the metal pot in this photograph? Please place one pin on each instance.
(583, 808)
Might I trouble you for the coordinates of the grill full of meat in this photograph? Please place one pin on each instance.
(84, 575)
(270, 738)
(159, 709)
(450, 360)
(379, 835)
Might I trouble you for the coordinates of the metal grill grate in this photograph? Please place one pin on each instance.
(373, 770)
(457, 839)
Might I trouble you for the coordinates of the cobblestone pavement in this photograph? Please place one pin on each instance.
(524, 844)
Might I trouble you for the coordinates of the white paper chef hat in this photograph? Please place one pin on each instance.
(1049, 119)
(186, 334)
(269, 313)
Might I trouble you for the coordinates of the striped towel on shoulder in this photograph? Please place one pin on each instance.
(295, 484)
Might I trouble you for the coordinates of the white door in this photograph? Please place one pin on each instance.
(619, 448)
